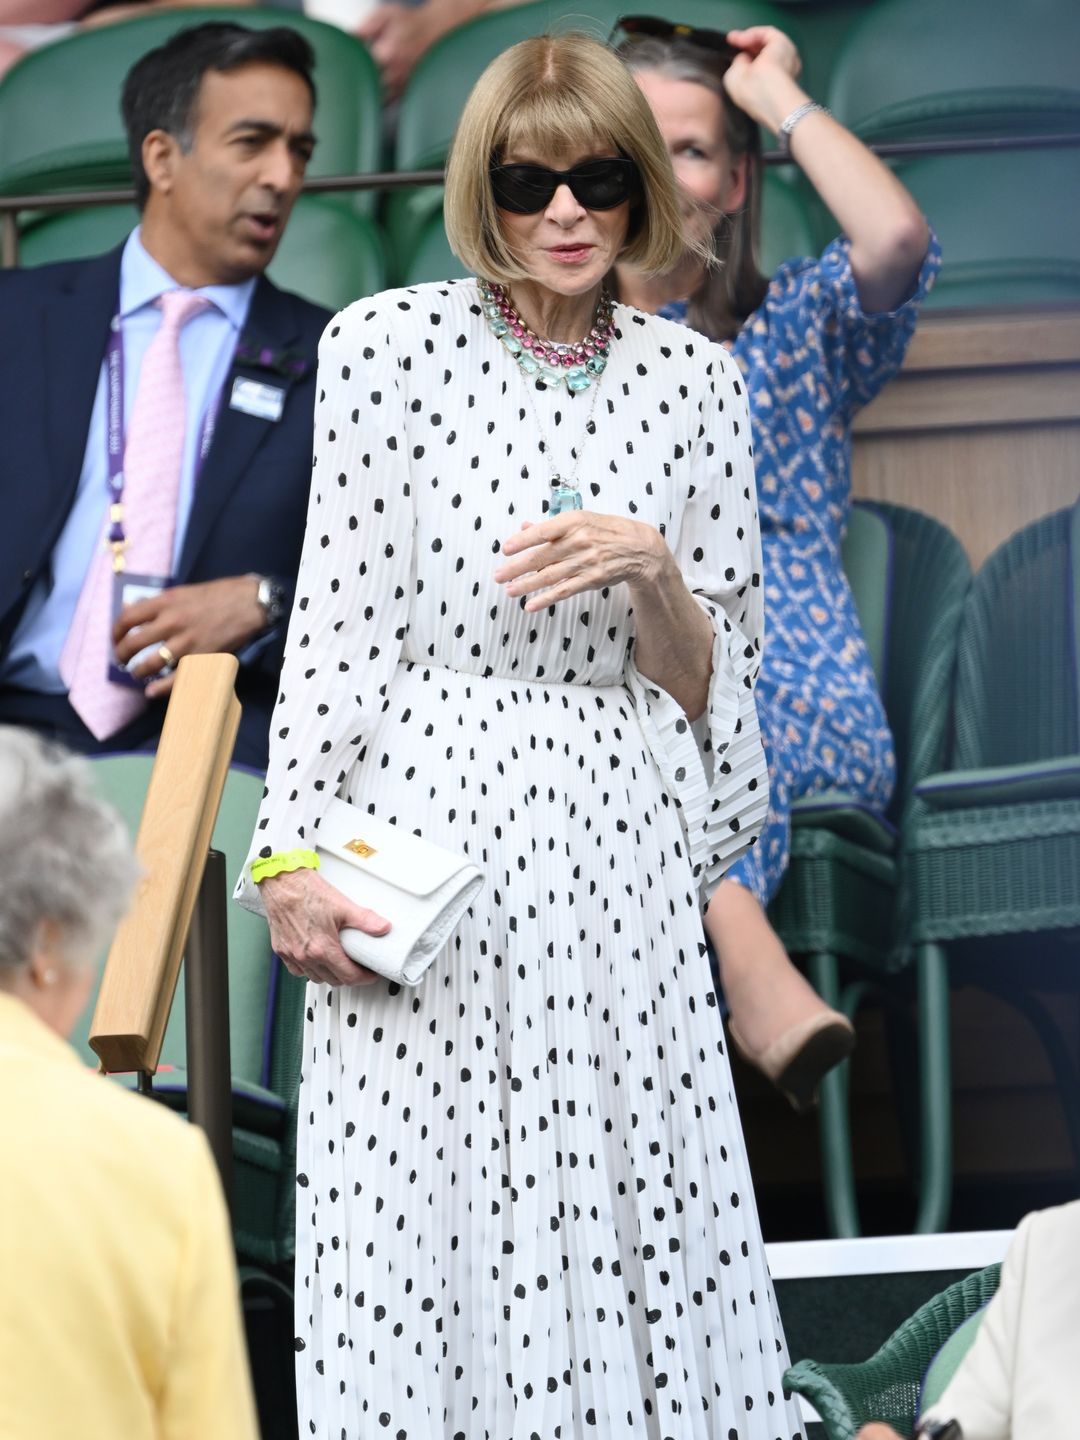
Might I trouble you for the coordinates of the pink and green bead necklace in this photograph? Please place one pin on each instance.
(550, 362)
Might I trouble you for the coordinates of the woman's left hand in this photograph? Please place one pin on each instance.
(579, 550)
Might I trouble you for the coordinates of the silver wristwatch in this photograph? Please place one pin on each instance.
(271, 596)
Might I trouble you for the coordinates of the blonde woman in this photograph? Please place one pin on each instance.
(528, 626)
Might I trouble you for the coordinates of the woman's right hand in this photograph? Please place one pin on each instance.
(306, 916)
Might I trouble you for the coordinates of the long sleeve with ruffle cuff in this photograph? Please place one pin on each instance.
(714, 768)
(344, 638)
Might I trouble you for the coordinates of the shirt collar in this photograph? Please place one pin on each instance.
(142, 280)
(24, 1033)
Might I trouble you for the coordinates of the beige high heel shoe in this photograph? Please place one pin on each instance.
(796, 1060)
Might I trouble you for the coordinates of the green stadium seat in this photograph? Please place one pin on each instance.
(74, 234)
(412, 220)
(441, 83)
(328, 254)
(1009, 224)
(429, 254)
(60, 126)
(823, 27)
(838, 907)
(265, 1027)
(992, 846)
(792, 218)
(918, 69)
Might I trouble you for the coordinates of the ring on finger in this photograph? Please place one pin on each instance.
(168, 659)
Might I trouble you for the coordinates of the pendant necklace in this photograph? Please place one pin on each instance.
(546, 364)
(564, 492)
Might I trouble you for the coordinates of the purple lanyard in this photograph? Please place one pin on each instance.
(114, 432)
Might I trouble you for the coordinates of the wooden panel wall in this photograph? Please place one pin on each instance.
(981, 428)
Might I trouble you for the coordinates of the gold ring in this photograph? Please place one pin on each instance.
(168, 659)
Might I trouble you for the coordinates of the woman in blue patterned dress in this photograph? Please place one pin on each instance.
(814, 344)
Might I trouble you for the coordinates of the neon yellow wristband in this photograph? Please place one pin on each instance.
(270, 865)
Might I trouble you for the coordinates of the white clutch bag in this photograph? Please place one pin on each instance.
(422, 889)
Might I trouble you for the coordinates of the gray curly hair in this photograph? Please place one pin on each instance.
(65, 855)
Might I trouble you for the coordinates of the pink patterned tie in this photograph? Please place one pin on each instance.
(152, 460)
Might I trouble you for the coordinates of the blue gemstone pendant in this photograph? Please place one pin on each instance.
(563, 497)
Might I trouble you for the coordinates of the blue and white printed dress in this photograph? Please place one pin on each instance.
(812, 359)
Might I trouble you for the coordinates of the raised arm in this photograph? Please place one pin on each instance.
(888, 233)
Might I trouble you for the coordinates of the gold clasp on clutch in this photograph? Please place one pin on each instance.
(361, 848)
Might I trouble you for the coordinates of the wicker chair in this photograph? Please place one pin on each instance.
(992, 847)
(843, 892)
(888, 1385)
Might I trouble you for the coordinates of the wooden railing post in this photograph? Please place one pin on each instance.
(179, 905)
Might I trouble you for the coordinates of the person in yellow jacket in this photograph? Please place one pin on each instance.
(119, 1317)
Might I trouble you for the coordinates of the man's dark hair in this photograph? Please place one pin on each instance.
(161, 90)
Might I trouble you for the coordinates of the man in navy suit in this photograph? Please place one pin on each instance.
(220, 126)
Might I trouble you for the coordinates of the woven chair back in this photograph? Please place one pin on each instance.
(1016, 695)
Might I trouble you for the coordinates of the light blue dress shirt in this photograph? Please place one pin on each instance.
(207, 344)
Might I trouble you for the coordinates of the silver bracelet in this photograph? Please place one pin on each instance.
(787, 125)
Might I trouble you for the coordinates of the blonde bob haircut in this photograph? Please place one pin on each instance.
(553, 95)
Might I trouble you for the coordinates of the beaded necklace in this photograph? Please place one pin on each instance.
(550, 362)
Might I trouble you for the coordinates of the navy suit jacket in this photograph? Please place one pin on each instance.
(251, 501)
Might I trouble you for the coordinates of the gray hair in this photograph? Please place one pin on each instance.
(732, 290)
(65, 855)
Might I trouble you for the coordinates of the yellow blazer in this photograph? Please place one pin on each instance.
(119, 1317)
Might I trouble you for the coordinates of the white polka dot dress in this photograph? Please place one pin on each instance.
(524, 1208)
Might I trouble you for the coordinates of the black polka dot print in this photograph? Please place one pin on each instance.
(524, 1210)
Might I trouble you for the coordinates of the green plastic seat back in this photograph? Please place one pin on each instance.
(441, 83)
(929, 581)
(123, 780)
(406, 214)
(1016, 687)
(867, 559)
(349, 248)
(912, 69)
(430, 256)
(1008, 221)
(791, 220)
(75, 234)
(947, 1360)
(329, 254)
(60, 125)
(823, 28)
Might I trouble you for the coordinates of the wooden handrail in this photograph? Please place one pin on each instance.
(178, 817)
